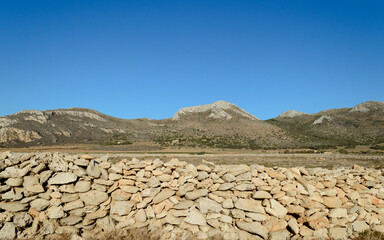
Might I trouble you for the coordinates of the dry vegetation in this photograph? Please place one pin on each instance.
(129, 234)
(143, 234)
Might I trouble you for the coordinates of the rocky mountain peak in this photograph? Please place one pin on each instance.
(291, 114)
(217, 110)
(368, 107)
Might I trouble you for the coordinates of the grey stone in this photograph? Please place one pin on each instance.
(338, 233)
(121, 207)
(8, 231)
(55, 212)
(22, 219)
(360, 226)
(82, 186)
(164, 194)
(39, 204)
(196, 194)
(93, 169)
(62, 178)
(14, 182)
(253, 227)
(13, 206)
(70, 220)
(206, 205)
(93, 197)
(261, 195)
(195, 217)
(249, 205)
(184, 205)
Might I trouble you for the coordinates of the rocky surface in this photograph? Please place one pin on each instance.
(216, 110)
(368, 107)
(50, 193)
(291, 114)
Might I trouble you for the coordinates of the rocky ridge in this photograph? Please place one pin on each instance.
(291, 114)
(216, 110)
(368, 107)
(44, 194)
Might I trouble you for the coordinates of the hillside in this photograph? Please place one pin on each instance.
(362, 124)
(218, 125)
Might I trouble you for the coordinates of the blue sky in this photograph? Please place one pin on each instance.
(133, 59)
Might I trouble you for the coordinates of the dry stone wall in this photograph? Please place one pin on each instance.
(50, 193)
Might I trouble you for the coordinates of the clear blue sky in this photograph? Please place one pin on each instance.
(133, 59)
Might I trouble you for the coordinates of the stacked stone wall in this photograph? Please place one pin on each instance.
(50, 193)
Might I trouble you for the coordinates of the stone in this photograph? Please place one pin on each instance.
(280, 235)
(236, 170)
(206, 205)
(13, 206)
(141, 216)
(153, 182)
(249, 205)
(245, 187)
(67, 197)
(93, 197)
(120, 195)
(225, 219)
(226, 186)
(38, 188)
(55, 212)
(184, 189)
(292, 223)
(170, 219)
(261, 195)
(70, 220)
(8, 231)
(228, 203)
(359, 226)
(22, 219)
(93, 169)
(319, 223)
(39, 204)
(279, 209)
(86, 157)
(45, 175)
(337, 233)
(332, 202)
(164, 194)
(58, 165)
(121, 208)
(97, 214)
(338, 213)
(254, 228)
(195, 217)
(14, 182)
(73, 205)
(30, 181)
(129, 189)
(258, 217)
(196, 194)
(62, 178)
(183, 205)
(228, 177)
(81, 162)
(202, 175)
(236, 213)
(82, 186)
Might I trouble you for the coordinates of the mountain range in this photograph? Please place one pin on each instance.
(219, 124)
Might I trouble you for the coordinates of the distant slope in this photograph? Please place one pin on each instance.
(362, 124)
(220, 124)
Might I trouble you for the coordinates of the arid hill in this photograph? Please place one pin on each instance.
(219, 124)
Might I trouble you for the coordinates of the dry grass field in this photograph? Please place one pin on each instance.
(328, 158)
